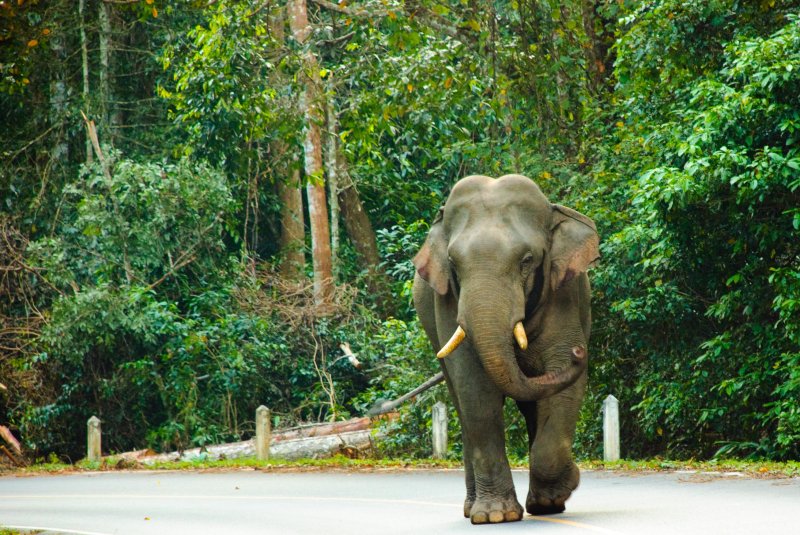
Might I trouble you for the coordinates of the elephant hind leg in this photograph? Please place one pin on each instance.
(528, 410)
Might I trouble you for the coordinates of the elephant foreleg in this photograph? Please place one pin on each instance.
(553, 472)
(491, 496)
(469, 475)
(490, 490)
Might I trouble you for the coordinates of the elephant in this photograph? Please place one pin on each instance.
(501, 291)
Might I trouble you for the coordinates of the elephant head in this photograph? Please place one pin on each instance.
(501, 250)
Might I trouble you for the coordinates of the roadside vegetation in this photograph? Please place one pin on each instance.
(247, 188)
(721, 467)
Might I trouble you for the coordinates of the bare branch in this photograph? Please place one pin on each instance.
(382, 407)
(31, 142)
(339, 40)
(349, 11)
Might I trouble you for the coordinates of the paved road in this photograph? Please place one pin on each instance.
(244, 502)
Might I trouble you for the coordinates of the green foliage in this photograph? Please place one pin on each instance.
(143, 224)
(225, 87)
(155, 329)
(424, 109)
(704, 276)
(401, 359)
(397, 246)
(125, 243)
(147, 297)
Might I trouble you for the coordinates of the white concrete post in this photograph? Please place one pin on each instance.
(611, 429)
(263, 432)
(439, 425)
(93, 439)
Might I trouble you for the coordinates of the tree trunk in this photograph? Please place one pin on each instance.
(332, 166)
(292, 240)
(58, 101)
(104, 90)
(359, 228)
(597, 51)
(251, 205)
(85, 72)
(293, 228)
(311, 107)
(362, 236)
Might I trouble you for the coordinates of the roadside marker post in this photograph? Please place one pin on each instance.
(263, 432)
(93, 439)
(439, 425)
(611, 429)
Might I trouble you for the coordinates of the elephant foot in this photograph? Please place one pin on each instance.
(493, 511)
(468, 503)
(544, 506)
(548, 498)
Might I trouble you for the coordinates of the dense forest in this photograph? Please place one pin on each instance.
(201, 200)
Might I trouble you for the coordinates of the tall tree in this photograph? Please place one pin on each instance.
(105, 100)
(332, 168)
(292, 239)
(85, 71)
(312, 110)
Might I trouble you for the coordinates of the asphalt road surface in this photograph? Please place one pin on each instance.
(429, 502)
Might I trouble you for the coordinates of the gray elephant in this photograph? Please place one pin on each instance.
(502, 292)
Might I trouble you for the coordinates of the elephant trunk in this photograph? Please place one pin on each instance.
(492, 330)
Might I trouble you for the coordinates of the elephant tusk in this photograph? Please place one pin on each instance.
(520, 337)
(453, 343)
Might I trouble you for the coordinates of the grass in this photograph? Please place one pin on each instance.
(749, 468)
(8, 531)
(333, 463)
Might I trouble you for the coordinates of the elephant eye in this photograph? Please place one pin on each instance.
(526, 264)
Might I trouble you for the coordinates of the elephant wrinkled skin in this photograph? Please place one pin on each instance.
(507, 269)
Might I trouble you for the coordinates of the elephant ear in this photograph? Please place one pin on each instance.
(575, 245)
(431, 260)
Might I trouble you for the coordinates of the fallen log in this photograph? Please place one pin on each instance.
(10, 439)
(351, 437)
(318, 430)
(137, 455)
(13, 459)
(317, 447)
